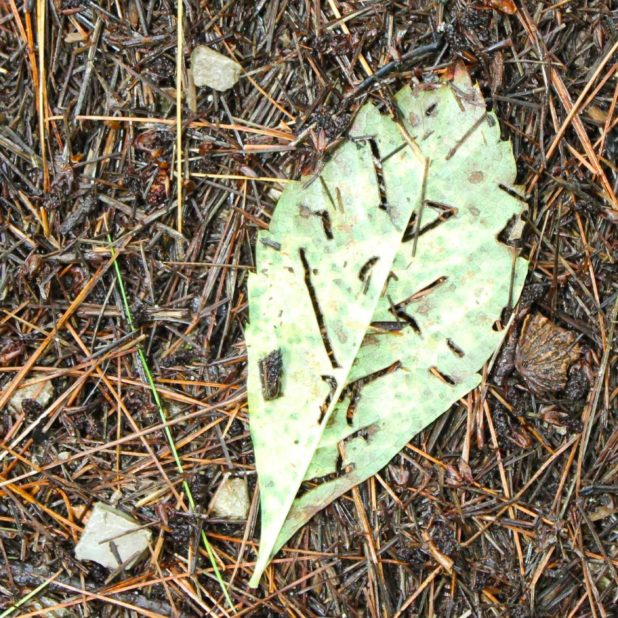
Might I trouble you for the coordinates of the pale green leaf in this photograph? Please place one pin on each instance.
(422, 304)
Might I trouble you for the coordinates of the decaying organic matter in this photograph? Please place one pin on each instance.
(517, 488)
(544, 353)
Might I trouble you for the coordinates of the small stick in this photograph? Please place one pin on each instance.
(40, 32)
(417, 227)
(387, 69)
(179, 59)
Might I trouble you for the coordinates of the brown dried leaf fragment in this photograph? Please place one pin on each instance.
(504, 6)
(270, 375)
(545, 353)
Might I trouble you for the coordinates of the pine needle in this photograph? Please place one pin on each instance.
(179, 58)
(168, 433)
(40, 30)
(33, 593)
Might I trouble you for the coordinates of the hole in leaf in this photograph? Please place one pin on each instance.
(443, 377)
(316, 309)
(351, 410)
(332, 383)
(388, 326)
(377, 166)
(339, 465)
(504, 236)
(326, 224)
(340, 471)
(306, 212)
(401, 313)
(353, 390)
(364, 274)
(455, 349)
(446, 212)
(418, 295)
(306, 487)
(410, 228)
(273, 244)
(513, 193)
(363, 433)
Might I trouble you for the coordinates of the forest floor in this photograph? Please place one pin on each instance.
(505, 506)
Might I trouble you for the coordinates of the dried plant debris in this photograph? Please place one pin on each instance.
(545, 353)
(525, 481)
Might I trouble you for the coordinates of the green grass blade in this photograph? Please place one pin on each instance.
(168, 433)
(33, 593)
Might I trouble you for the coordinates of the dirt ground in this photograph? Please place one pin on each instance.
(505, 506)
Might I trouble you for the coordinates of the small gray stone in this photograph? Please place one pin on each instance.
(231, 500)
(212, 69)
(108, 525)
(41, 392)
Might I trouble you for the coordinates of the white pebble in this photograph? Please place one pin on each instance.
(231, 500)
(108, 525)
(212, 69)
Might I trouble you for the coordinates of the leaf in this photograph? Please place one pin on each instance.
(544, 353)
(394, 246)
(504, 6)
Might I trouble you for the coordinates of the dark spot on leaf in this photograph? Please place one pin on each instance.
(454, 348)
(332, 383)
(512, 193)
(326, 224)
(316, 308)
(273, 244)
(377, 165)
(443, 377)
(364, 274)
(497, 326)
(271, 368)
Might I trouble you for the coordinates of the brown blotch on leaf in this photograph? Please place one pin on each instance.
(476, 177)
(413, 119)
(544, 354)
(271, 368)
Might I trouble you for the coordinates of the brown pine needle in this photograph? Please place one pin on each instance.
(179, 74)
